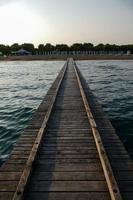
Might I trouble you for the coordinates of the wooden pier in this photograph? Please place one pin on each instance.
(69, 151)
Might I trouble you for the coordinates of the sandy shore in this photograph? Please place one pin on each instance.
(63, 57)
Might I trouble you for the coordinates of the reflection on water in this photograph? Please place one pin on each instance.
(112, 83)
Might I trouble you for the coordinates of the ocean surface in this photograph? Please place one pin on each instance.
(23, 84)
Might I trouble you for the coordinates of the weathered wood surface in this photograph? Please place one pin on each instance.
(67, 164)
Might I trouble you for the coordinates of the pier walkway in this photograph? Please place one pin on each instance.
(69, 151)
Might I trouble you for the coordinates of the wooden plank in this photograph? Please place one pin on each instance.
(62, 141)
(27, 140)
(79, 144)
(15, 167)
(6, 195)
(8, 186)
(20, 152)
(124, 175)
(68, 151)
(19, 157)
(74, 186)
(22, 148)
(87, 156)
(76, 137)
(123, 166)
(67, 176)
(68, 160)
(126, 186)
(7, 176)
(67, 196)
(18, 161)
(69, 131)
(22, 144)
(63, 148)
(81, 167)
(69, 135)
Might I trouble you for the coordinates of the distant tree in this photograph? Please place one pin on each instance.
(125, 48)
(130, 47)
(5, 49)
(15, 47)
(49, 47)
(29, 47)
(108, 47)
(76, 47)
(99, 47)
(87, 46)
(41, 47)
(62, 47)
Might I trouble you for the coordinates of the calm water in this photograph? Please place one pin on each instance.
(24, 84)
(112, 83)
(22, 87)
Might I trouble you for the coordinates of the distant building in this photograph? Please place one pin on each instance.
(21, 52)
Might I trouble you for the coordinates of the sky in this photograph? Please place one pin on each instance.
(66, 21)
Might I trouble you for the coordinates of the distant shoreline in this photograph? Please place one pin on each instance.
(64, 57)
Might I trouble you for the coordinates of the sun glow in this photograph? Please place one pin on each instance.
(20, 24)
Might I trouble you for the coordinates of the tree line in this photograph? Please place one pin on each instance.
(7, 50)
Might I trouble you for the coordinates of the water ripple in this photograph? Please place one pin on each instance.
(24, 84)
(112, 83)
(22, 87)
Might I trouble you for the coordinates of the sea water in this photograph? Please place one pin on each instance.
(23, 84)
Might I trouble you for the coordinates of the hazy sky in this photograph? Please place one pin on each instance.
(66, 21)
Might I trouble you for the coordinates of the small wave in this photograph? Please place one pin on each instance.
(9, 134)
(20, 93)
(112, 83)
